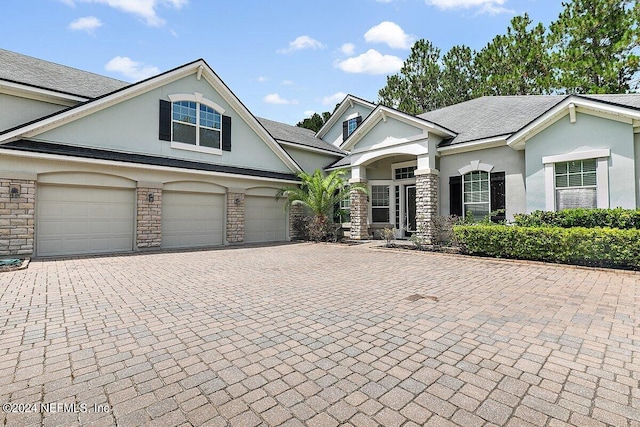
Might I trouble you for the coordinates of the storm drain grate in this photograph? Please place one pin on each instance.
(416, 297)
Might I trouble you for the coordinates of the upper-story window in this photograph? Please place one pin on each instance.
(196, 124)
(349, 126)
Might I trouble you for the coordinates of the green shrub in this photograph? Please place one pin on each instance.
(598, 247)
(624, 219)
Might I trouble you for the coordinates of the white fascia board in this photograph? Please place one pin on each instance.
(312, 149)
(583, 105)
(72, 159)
(481, 144)
(39, 94)
(381, 113)
(91, 107)
(394, 142)
(347, 102)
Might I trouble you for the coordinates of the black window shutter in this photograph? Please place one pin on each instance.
(455, 195)
(345, 130)
(165, 120)
(226, 133)
(358, 120)
(497, 196)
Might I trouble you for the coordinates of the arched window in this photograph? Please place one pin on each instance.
(196, 124)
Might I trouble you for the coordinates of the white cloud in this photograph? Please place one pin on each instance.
(87, 23)
(300, 43)
(371, 62)
(262, 79)
(485, 6)
(274, 98)
(145, 9)
(348, 48)
(391, 34)
(133, 70)
(288, 82)
(309, 113)
(333, 99)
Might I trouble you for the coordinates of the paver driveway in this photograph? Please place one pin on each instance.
(317, 335)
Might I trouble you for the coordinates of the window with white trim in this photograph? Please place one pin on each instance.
(352, 124)
(475, 194)
(576, 184)
(196, 124)
(345, 209)
(380, 203)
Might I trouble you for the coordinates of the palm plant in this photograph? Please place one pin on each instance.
(320, 194)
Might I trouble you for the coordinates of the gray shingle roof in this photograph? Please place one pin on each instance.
(48, 75)
(297, 135)
(490, 115)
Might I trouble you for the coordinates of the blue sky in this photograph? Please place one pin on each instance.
(283, 58)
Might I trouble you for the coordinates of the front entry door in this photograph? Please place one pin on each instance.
(410, 208)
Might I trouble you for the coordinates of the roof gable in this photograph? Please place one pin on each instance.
(348, 102)
(384, 114)
(198, 68)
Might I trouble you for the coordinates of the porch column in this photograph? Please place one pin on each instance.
(17, 214)
(359, 206)
(296, 215)
(426, 204)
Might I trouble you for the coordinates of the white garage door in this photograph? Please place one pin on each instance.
(192, 219)
(84, 220)
(265, 219)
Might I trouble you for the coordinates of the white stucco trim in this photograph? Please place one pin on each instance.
(579, 155)
(482, 144)
(308, 148)
(602, 175)
(412, 149)
(39, 94)
(475, 165)
(58, 157)
(196, 148)
(196, 97)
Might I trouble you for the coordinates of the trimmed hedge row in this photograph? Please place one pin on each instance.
(596, 247)
(625, 219)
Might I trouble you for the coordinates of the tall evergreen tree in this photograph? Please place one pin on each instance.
(595, 46)
(459, 80)
(516, 63)
(315, 122)
(416, 88)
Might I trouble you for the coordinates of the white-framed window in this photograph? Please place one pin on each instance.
(476, 194)
(196, 124)
(404, 173)
(380, 203)
(345, 209)
(352, 124)
(576, 184)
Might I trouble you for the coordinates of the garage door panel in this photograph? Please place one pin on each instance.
(192, 219)
(265, 220)
(84, 220)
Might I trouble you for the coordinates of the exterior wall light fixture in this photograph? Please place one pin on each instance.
(151, 197)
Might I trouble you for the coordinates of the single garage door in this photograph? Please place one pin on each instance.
(265, 219)
(192, 220)
(84, 220)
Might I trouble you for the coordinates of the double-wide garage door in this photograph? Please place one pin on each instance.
(191, 220)
(84, 220)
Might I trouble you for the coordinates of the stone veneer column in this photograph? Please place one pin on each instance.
(17, 216)
(359, 215)
(426, 204)
(235, 217)
(149, 218)
(295, 213)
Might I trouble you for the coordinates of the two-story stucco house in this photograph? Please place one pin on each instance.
(89, 164)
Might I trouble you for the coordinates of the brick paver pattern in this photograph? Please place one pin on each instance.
(319, 335)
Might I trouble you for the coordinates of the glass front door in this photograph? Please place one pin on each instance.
(410, 208)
